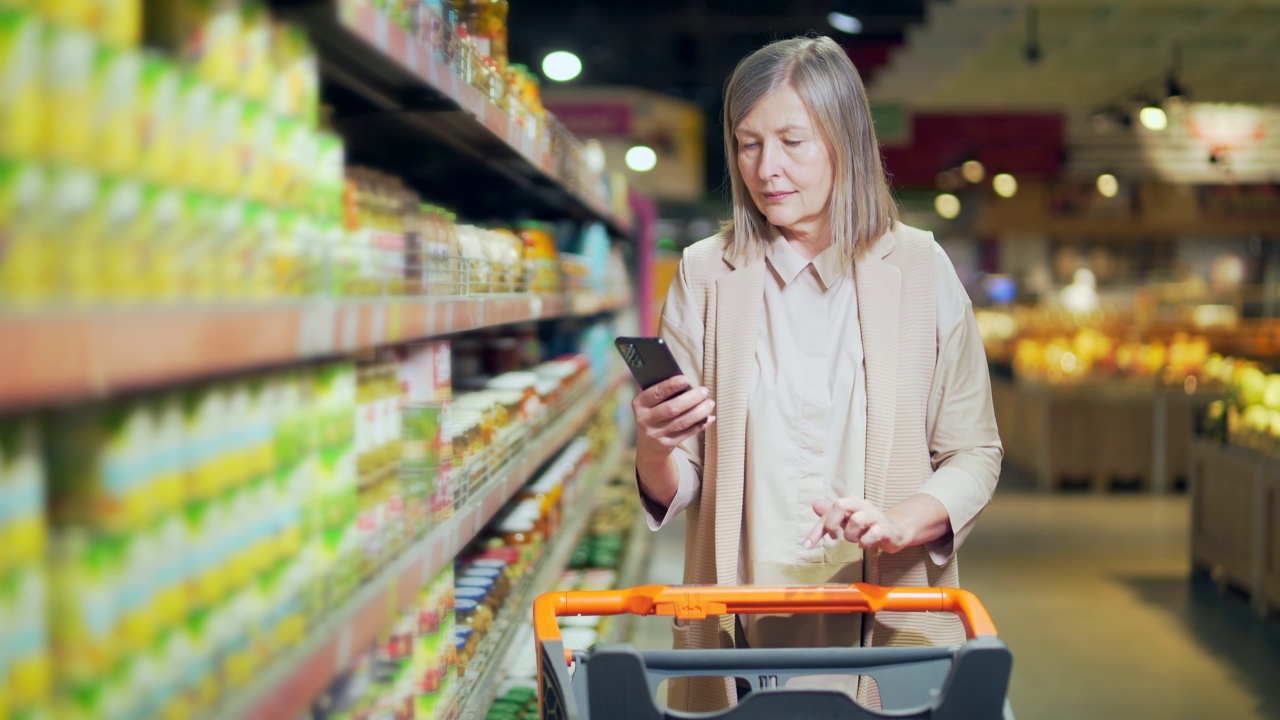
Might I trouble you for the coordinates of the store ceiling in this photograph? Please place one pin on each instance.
(686, 48)
(972, 54)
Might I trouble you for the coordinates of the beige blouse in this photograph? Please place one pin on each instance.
(806, 433)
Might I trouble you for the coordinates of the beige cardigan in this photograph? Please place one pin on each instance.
(897, 292)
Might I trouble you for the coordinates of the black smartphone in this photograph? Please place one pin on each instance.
(649, 360)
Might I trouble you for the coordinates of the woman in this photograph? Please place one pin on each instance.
(839, 426)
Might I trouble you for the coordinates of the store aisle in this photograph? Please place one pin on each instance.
(1092, 594)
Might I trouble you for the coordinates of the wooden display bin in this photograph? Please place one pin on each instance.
(1225, 520)
(1271, 554)
(1097, 436)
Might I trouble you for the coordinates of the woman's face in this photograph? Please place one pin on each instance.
(786, 164)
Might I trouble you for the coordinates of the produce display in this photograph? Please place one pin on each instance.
(1249, 416)
(1060, 349)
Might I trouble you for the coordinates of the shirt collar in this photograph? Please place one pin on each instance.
(789, 263)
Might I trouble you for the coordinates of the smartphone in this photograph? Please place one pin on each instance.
(649, 360)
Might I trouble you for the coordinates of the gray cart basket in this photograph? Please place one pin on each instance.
(618, 682)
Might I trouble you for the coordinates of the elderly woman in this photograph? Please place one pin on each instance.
(838, 426)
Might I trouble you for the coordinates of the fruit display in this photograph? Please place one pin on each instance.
(1249, 415)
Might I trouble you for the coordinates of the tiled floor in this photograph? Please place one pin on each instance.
(1092, 593)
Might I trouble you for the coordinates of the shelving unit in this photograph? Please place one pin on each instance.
(403, 110)
(294, 680)
(1235, 520)
(554, 559)
(77, 355)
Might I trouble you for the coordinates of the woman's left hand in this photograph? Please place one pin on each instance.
(860, 522)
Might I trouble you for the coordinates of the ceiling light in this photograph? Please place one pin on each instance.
(1153, 117)
(947, 205)
(973, 171)
(845, 22)
(641, 158)
(561, 66)
(1005, 185)
(1108, 186)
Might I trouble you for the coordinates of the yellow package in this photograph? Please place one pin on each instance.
(160, 129)
(75, 219)
(117, 111)
(124, 240)
(167, 228)
(84, 573)
(227, 142)
(27, 264)
(67, 78)
(169, 602)
(119, 22)
(206, 421)
(259, 140)
(286, 270)
(286, 173)
(195, 136)
(135, 601)
(260, 226)
(235, 258)
(296, 92)
(203, 34)
(325, 200)
(71, 13)
(22, 484)
(199, 256)
(30, 677)
(21, 99)
(256, 70)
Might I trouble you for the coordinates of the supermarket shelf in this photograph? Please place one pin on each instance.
(402, 109)
(65, 356)
(288, 687)
(634, 565)
(555, 558)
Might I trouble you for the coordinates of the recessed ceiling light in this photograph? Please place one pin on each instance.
(641, 158)
(845, 23)
(947, 205)
(973, 171)
(1108, 186)
(1153, 117)
(561, 66)
(1005, 185)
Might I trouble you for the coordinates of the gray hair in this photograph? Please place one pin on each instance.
(861, 207)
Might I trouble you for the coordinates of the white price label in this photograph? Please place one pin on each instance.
(343, 659)
(350, 328)
(381, 31)
(378, 326)
(411, 55)
(535, 307)
(316, 330)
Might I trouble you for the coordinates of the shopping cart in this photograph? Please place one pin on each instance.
(618, 682)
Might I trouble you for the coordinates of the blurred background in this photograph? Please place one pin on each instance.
(306, 306)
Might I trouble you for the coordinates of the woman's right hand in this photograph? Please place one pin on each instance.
(665, 419)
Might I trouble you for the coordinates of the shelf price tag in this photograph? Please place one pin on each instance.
(350, 328)
(378, 324)
(317, 329)
(343, 659)
(381, 31)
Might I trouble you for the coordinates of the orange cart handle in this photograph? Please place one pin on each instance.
(699, 602)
